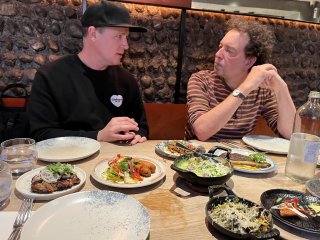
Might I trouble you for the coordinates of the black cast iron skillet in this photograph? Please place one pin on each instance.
(269, 198)
(215, 201)
(203, 181)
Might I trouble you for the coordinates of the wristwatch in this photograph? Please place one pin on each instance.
(238, 93)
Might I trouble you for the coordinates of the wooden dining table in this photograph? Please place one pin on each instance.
(177, 211)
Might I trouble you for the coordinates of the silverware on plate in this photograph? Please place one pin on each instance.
(195, 152)
(23, 215)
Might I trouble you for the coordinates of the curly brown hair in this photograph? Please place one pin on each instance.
(261, 38)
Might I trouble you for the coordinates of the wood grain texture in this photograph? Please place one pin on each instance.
(166, 121)
(176, 211)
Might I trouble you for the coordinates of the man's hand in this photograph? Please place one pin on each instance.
(138, 139)
(274, 82)
(266, 76)
(259, 76)
(119, 129)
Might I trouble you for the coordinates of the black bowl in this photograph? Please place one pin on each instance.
(215, 201)
(203, 181)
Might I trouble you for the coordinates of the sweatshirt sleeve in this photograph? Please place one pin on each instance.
(43, 115)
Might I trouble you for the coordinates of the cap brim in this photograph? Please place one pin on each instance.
(132, 28)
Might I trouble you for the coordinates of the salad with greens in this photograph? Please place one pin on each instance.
(258, 157)
(55, 171)
(204, 168)
(128, 170)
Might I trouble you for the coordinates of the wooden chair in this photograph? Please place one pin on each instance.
(166, 121)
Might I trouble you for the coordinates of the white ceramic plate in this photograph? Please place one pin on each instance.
(96, 215)
(66, 149)
(23, 185)
(267, 143)
(272, 167)
(161, 148)
(155, 177)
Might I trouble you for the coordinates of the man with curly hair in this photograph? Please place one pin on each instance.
(228, 101)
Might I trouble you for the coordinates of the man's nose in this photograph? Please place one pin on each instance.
(125, 43)
(219, 53)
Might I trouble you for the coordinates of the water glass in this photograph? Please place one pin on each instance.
(302, 157)
(20, 154)
(5, 183)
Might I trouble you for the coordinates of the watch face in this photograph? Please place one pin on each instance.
(236, 92)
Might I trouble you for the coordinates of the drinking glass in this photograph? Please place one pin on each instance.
(302, 157)
(5, 183)
(20, 154)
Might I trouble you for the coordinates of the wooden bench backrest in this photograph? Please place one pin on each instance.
(166, 121)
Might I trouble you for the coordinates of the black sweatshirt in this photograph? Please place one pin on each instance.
(70, 99)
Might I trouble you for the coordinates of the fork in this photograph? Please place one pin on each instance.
(23, 215)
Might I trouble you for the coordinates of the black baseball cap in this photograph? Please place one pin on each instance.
(106, 14)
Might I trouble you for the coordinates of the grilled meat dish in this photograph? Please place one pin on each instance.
(286, 212)
(54, 177)
(38, 185)
(239, 159)
(236, 156)
(172, 148)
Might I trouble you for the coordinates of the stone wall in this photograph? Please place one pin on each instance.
(295, 53)
(34, 32)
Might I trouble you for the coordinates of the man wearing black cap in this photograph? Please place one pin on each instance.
(89, 94)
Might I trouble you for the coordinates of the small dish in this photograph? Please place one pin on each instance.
(193, 178)
(162, 148)
(23, 185)
(155, 177)
(238, 230)
(272, 168)
(313, 187)
(269, 198)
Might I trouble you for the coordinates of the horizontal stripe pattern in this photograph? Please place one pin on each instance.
(206, 90)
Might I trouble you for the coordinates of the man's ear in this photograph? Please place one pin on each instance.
(250, 61)
(92, 32)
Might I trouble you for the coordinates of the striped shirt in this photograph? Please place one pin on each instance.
(206, 90)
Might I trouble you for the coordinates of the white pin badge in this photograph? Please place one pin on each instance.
(116, 100)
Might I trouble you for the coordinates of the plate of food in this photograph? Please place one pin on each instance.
(206, 171)
(66, 149)
(50, 182)
(248, 161)
(128, 171)
(268, 144)
(97, 215)
(239, 218)
(295, 209)
(169, 148)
